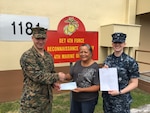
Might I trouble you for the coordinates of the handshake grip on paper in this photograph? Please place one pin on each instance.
(61, 76)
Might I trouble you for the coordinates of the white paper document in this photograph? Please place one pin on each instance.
(108, 79)
(68, 86)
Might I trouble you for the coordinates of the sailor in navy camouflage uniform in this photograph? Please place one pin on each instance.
(128, 73)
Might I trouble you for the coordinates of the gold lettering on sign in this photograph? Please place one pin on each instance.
(57, 56)
(69, 40)
(62, 40)
(62, 48)
(67, 56)
(78, 40)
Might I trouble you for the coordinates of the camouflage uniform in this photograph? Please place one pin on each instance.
(39, 76)
(127, 68)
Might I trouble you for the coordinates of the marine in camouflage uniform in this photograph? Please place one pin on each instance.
(39, 77)
(127, 69)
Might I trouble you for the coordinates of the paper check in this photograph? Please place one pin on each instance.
(68, 86)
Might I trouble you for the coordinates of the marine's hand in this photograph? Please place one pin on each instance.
(61, 76)
(56, 86)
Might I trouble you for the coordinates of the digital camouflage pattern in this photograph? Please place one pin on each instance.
(39, 76)
(118, 37)
(127, 68)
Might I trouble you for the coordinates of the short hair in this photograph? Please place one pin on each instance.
(88, 46)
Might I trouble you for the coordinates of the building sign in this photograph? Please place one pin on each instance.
(64, 43)
(18, 28)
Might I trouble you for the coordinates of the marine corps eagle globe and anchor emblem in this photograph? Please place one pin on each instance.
(71, 27)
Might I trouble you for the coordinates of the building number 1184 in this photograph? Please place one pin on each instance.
(28, 27)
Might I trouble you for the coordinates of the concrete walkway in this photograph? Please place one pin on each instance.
(142, 109)
(145, 108)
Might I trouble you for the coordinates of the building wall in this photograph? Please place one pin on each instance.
(11, 83)
(92, 13)
(143, 6)
(143, 20)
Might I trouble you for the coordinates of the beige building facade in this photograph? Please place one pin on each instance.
(103, 16)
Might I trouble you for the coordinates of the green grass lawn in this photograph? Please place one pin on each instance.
(61, 102)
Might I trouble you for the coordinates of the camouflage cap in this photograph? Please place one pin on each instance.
(39, 32)
(118, 37)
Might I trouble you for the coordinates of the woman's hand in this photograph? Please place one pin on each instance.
(105, 66)
(77, 90)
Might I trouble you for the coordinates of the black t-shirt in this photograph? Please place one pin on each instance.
(85, 77)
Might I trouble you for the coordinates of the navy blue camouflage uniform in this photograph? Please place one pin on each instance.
(127, 68)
